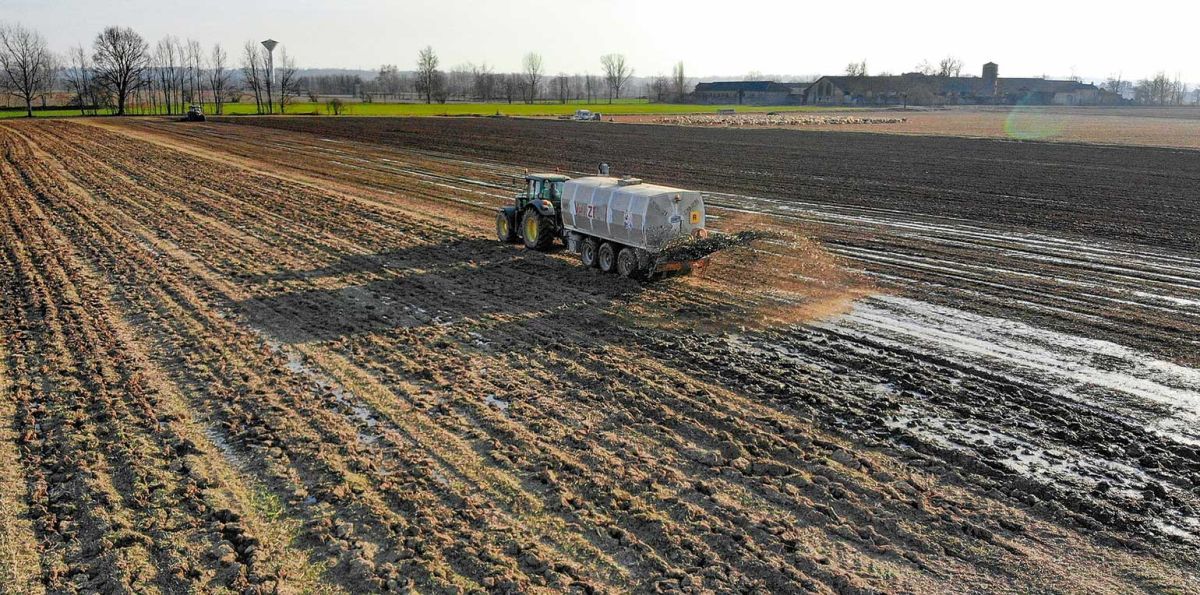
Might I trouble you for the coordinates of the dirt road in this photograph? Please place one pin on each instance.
(242, 358)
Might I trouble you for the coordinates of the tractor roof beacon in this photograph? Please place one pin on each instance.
(618, 224)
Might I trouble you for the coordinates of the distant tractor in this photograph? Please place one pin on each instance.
(194, 114)
(619, 225)
(584, 115)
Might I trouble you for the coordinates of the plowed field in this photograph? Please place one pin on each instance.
(248, 359)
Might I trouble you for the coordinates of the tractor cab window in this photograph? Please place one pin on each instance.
(544, 189)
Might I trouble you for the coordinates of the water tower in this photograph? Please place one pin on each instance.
(270, 45)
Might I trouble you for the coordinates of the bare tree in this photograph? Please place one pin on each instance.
(389, 80)
(660, 89)
(926, 68)
(1114, 84)
(857, 69)
(950, 66)
(289, 83)
(511, 85)
(679, 82)
(459, 81)
(562, 84)
(484, 81)
(120, 59)
(252, 74)
(194, 61)
(533, 75)
(428, 77)
(218, 77)
(167, 75)
(589, 84)
(26, 65)
(616, 73)
(77, 74)
(1160, 90)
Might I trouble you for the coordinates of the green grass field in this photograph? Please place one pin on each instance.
(39, 113)
(622, 107)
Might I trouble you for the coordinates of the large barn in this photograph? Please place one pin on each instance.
(921, 89)
(748, 93)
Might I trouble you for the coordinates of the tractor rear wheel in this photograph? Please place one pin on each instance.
(537, 230)
(627, 264)
(588, 252)
(608, 257)
(504, 229)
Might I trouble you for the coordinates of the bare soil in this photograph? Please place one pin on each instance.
(242, 358)
(1137, 126)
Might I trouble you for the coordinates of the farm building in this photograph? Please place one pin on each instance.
(921, 89)
(748, 93)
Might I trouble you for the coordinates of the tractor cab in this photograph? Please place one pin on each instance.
(195, 113)
(534, 217)
(542, 187)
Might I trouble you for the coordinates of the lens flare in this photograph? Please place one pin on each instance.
(1026, 122)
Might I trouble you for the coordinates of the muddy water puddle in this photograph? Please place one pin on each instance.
(1094, 372)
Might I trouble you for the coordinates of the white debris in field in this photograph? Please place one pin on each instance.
(496, 402)
(734, 120)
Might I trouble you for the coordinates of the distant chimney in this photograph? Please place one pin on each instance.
(991, 71)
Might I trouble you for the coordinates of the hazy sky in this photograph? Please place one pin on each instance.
(727, 37)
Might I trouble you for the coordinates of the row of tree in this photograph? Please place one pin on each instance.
(949, 66)
(1157, 90)
(480, 82)
(123, 73)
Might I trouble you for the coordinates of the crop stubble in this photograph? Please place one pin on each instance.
(306, 367)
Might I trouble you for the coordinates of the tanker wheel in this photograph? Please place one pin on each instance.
(608, 257)
(627, 264)
(504, 229)
(588, 252)
(537, 230)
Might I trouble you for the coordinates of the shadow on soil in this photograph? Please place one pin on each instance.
(439, 284)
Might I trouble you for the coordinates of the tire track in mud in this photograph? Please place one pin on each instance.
(20, 566)
(1130, 194)
(336, 482)
(978, 234)
(908, 223)
(204, 540)
(583, 452)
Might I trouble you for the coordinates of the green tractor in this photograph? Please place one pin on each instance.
(535, 217)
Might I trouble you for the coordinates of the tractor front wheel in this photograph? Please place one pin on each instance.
(537, 230)
(608, 257)
(588, 252)
(504, 229)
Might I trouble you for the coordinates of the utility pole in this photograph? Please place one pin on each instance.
(270, 45)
